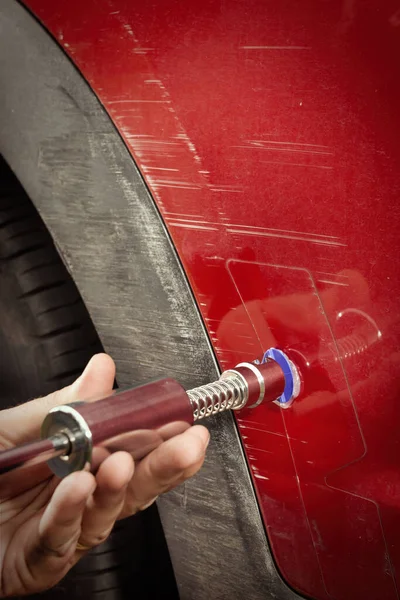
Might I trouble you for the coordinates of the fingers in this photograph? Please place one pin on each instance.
(172, 462)
(49, 548)
(82, 509)
(60, 525)
(14, 483)
(22, 423)
(104, 507)
(85, 509)
(97, 379)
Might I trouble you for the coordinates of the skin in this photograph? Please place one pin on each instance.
(42, 518)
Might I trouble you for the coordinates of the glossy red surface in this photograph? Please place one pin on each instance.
(268, 135)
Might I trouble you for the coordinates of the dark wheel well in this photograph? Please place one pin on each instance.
(46, 339)
(46, 333)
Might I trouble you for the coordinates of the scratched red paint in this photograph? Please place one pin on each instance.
(268, 135)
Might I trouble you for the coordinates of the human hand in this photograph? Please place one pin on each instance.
(47, 525)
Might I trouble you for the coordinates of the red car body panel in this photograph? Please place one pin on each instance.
(268, 135)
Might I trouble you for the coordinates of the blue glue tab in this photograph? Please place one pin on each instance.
(292, 378)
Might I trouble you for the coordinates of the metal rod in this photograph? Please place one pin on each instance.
(34, 452)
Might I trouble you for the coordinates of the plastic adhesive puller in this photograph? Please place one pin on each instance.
(140, 418)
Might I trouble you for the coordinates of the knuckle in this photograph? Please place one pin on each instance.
(98, 538)
(131, 507)
(134, 504)
(148, 504)
(44, 551)
(68, 522)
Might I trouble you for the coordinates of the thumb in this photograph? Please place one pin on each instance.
(22, 423)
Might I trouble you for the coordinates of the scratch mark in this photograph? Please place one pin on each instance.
(246, 426)
(140, 101)
(149, 143)
(176, 183)
(258, 476)
(337, 275)
(193, 226)
(181, 214)
(271, 162)
(159, 169)
(287, 150)
(184, 185)
(193, 221)
(287, 143)
(146, 149)
(262, 146)
(142, 50)
(333, 282)
(128, 29)
(275, 47)
(224, 189)
(288, 237)
(257, 449)
(239, 323)
(177, 187)
(121, 101)
(317, 235)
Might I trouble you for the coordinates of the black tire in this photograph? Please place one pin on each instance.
(46, 334)
(46, 339)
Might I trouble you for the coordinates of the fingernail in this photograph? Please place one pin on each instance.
(207, 442)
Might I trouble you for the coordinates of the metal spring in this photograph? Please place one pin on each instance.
(217, 397)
